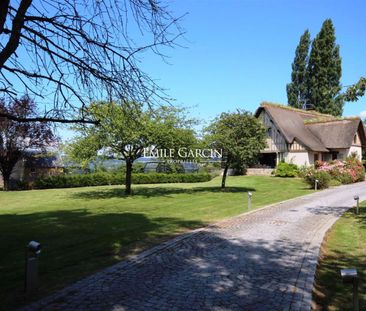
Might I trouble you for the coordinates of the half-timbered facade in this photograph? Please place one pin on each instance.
(303, 137)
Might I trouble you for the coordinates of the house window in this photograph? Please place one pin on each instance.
(269, 131)
(334, 155)
(355, 139)
(316, 157)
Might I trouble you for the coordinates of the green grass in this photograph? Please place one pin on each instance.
(86, 229)
(344, 247)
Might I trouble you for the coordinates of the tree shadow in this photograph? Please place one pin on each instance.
(330, 291)
(75, 244)
(205, 271)
(337, 211)
(148, 192)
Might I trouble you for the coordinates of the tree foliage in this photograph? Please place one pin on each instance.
(240, 135)
(18, 137)
(127, 132)
(354, 92)
(315, 78)
(297, 89)
(67, 53)
(325, 71)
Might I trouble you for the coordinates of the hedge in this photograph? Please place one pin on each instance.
(100, 179)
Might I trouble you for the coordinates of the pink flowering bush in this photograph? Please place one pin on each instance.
(346, 172)
(349, 171)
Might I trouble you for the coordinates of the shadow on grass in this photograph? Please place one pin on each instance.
(75, 244)
(153, 192)
(329, 291)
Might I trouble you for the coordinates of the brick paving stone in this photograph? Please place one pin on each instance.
(264, 260)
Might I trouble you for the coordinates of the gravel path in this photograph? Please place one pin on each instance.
(264, 260)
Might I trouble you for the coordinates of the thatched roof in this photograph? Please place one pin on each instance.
(316, 131)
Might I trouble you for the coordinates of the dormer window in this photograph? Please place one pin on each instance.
(269, 131)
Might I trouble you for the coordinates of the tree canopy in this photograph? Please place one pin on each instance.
(240, 135)
(127, 132)
(315, 78)
(324, 72)
(69, 53)
(297, 89)
(18, 137)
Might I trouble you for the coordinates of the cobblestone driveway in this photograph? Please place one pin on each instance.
(262, 261)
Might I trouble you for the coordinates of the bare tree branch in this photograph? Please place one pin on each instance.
(45, 119)
(67, 53)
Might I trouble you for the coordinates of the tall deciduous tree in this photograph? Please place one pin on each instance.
(127, 132)
(240, 135)
(81, 50)
(18, 137)
(297, 89)
(324, 72)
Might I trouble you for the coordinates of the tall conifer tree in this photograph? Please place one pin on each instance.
(324, 72)
(297, 89)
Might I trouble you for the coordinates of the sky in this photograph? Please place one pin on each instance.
(237, 54)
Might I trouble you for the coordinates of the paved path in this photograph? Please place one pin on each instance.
(262, 261)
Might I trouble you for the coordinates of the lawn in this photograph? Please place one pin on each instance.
(85, 229)
(344, 247)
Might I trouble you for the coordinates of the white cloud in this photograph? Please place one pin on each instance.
(363, 115)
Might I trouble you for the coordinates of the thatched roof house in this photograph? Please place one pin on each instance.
(303, 137)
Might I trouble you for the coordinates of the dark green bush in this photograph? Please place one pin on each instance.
(286, 170)
(323, 178)
(103, 178)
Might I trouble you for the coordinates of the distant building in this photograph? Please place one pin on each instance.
(33, 165)
(305, 136)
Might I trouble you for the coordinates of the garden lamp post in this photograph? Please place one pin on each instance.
(33, 249)
(316, 184)
(357, 199)
(250, 200)
(350, 276)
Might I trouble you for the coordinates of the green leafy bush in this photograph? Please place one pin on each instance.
(323, 178)
(334, 183)
(284, 169)
(103, 178)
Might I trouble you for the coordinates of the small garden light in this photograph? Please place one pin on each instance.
(33, 250)
(250, 200)
(350, 276)
(357, 199)
(316, 184)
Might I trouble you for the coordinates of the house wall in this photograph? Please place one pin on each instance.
(355, 149)
(299, 158)
(275, 140)
(17, 173)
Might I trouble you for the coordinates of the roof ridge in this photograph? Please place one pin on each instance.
(263, 104)
(336, 119)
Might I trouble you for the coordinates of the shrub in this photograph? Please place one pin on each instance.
(286, 170)
(349, 171)
(334, 183)
(103, 178)
(323, 178)
(341, 172)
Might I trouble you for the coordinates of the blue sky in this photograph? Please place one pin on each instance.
(239, 53)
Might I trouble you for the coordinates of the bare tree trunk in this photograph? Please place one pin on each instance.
(224, 175)
(6, 179)
(128, 176)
